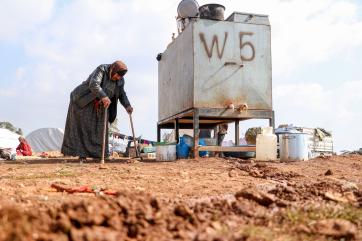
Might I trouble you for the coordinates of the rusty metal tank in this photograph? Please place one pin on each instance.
(212, 64)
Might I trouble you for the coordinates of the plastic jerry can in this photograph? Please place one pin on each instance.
(266, 145)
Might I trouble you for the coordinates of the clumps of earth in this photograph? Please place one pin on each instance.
(262, 170)
(228, 199)
(139, 216)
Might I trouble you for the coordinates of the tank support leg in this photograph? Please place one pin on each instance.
(196, 124)
(158, 133)
(272, 121)
(237, 130)
(177, 131)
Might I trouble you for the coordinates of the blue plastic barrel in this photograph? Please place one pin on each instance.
(182, 149)
(203, 153)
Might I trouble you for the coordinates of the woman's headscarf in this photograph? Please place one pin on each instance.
(118, 67)
(21, 138)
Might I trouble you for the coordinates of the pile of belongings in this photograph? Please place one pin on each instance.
(251, 133)
(8, 142)
(130, 138)
(357, 152)
(126, 148)
(318, 132)
(319, 141)
(7, 154)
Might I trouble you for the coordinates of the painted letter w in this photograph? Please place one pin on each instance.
(215, 41)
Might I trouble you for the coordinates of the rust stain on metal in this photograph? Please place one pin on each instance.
(233, 63)
(221, 100)
(243, 107)
(215, 41)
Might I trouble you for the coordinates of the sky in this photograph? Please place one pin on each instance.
(48, 47)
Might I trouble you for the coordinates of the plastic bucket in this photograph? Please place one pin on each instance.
(166, 152)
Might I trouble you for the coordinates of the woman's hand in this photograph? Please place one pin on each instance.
(106, 102)
(129, 109)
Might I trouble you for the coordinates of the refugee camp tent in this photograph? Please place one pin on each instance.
(8, 139)
(46, 139)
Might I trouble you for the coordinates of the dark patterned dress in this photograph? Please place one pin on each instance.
(84, 125)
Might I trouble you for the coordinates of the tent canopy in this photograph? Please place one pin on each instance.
(8, 139)
(46, 139)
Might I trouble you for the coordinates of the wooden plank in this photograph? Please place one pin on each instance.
(187, 126)
(227, 148)
(177, 116)
(203, 121)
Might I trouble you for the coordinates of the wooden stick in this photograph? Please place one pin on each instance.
(134, 138)
(104, 134)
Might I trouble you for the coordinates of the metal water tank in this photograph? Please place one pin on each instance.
(212, 64)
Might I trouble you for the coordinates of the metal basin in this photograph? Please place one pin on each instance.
(188, 9)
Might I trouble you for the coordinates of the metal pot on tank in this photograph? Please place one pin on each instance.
(212, 11)
(186, 11)
(294, 147)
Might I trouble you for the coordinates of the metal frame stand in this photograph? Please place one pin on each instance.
(210, 118)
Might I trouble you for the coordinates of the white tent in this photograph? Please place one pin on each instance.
(8, 139)
(46, 139)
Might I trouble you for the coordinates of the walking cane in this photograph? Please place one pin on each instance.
(104, 134)
(134, 138)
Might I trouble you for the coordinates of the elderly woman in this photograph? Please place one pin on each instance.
(23, 148)
(83, 133)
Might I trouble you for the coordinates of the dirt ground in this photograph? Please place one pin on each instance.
(206, 199)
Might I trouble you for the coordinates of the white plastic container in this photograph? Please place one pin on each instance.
(166, 153)
(266, 145)
(294, 147)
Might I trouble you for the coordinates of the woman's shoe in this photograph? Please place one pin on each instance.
(82, 160)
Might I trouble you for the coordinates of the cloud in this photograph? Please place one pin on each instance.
(312, 105)
(306, 32)
(78, 37)
(8, 93)
(19, 17)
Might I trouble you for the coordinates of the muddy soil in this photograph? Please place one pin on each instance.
(206, 199)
